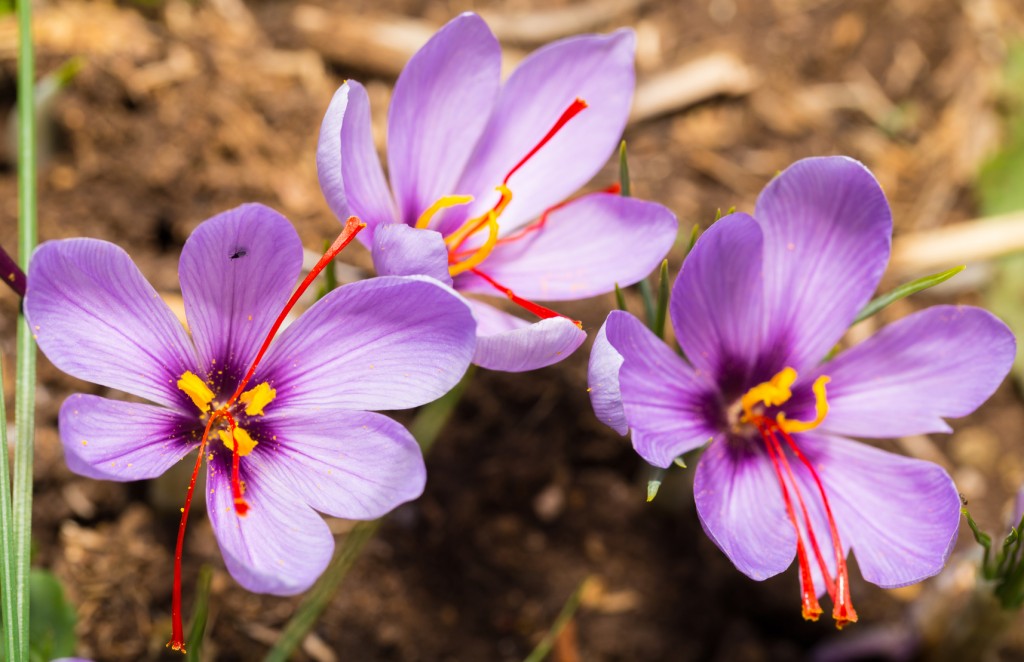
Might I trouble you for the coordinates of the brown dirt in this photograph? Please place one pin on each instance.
(182, 111)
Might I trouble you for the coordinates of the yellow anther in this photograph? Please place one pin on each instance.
(771, 393)
(442, 203)
(480, 254)
(255, 399)
(455, 239)
(196, 389)
(820, 410)
(245, 442)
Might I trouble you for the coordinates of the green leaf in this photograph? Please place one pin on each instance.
(647, 296)
(200, 612)
(620, 298)
(661, 314)
(545, 645)
(52, 621)
(694, 236)
(982, 539)
(905, 290)
(25, 365)
(625, 188)
(656, 476)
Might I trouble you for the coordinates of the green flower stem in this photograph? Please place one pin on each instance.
(426, 427)
(8, 603)
(25, 370)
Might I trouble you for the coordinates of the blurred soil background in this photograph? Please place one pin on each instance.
(181, 110)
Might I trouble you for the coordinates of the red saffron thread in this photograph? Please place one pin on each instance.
(838, 588)
(352, 227)
(810, 607)
(843, 611)
(535, 308)
(574, 109)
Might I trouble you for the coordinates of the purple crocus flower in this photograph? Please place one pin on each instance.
(480, 173)
(284, 437)
(757, 307)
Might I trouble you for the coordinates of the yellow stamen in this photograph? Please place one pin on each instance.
(455, 239)
(256, 399)
(196, 389)
(820, 410)
(772, 393)
(442, 203)
(777, 391)
(480, 254)
(245, 442)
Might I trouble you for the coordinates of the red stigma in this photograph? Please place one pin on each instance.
(572, 111)
(177, 643)
(535, 308)
(838, 588)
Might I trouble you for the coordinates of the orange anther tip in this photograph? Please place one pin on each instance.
(241, 507)
(177, 646)
(582, 102)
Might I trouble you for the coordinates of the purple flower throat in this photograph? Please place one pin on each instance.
(241, 403)
(462, 259)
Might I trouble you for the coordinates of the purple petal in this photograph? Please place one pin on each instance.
(716, 307)
(116, 440)
(595, 68)
(386, 343)
(439, 109)
(356, 465)
(281, 545)
(827, 230)
(669, 408)
(96, 318)
(237, 271)
(583, 250)
(942, 362)
(399, 250)
(505, 342)
(1018, 508)
(603, 383)
(740, 506)
(347, 165)
(900, 515)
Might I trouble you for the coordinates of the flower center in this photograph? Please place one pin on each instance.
(461, 260)
(776, 433)
(234, 437)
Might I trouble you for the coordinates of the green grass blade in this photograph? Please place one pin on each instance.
(8, 604)
(543, 648)
(661, 314)
(200, 611)
(426, 427)
(625, 187)
(905, 290)
(620, 298)
(25, 369)
(323, 591)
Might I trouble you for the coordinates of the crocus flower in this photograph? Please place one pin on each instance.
(480, 173)
(283, 437)
(758, 306)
